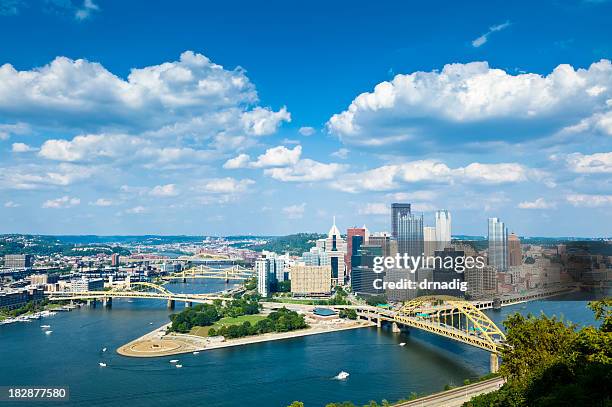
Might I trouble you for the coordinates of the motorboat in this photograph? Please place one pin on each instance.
(173, 360)
(403, 344)
(342, 375)
(196, 353)
(48, 332)
(45, 326)
(179, 366)
(102, 364)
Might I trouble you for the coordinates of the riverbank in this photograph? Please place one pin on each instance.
(157, 343)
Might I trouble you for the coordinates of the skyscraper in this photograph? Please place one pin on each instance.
(515, 255)
(398, 209)
(443, 229)
(498, 244)
(350, 232)
(335, 248)
(410, 234)
(430, 240)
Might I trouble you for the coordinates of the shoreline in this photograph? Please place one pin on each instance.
(158, 344)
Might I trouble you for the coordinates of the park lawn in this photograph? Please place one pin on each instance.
(203, 330)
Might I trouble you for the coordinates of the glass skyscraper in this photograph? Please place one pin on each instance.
(498, 244)
(410, 234)
(398, 209)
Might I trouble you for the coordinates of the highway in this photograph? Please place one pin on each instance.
(455, 397)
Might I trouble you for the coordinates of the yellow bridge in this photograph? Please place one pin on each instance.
(236, 272)
(446, 316)
(135, 290)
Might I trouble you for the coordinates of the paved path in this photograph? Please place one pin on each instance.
(455, 397)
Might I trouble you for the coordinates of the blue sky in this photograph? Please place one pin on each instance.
(194, 118)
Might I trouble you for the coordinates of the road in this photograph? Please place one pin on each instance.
(455, 397)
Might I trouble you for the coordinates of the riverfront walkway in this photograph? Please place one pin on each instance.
(455, 397)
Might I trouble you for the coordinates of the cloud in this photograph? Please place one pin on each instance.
(307, 131)
(484, 37)
(63, 202)
(295, 211)
(389, 177)
(472, 103)
(306, 170)
(137, 210)
(18, 128)
(412, 196)
(122, 148)
(226, 185)
(38, 177)
(375, 209)
(21, 148)
(240, 161)
(539, 203)
(11, 204)
(193, 97)
(162, 191)
(589, 164)
(9, 7)
(589, 201)
(102, 202)
(85, 11)
(341, 153)
(278, 157)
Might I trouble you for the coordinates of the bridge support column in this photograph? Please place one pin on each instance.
(494, 365)
(188, 304)
(395, 328)
(107, 302)
(184, 280)
(378, 323)
(91, 303)
(170, 304)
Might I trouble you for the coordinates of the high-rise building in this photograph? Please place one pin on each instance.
(262, 270)
(384, 240)
(115, 260)
(410, 234)
(498, 244)
(443, 229)
(515, 254)
(315, 257)
(310, 280)
(335, 247)
(350, 233)
(397, 210)
(362, 280)
(18, 261)
(430, 242)
(442, 273)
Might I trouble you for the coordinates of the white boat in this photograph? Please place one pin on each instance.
(173, 360)
(48, 332)
(179, 366)
(403, 344)
(103, 349)
(102, 364)
(150, 323)
(45, 326)
(196, 353)
(342, 375)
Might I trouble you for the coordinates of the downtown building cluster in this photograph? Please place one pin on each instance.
(347, 260)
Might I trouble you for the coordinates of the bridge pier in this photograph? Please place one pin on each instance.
(188, 304)
(107, 302)
(494, 363)
(91, 303)
(170, 304)
(378, 323)
(395, 328)
(184, 280)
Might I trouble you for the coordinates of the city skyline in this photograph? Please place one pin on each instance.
(486, 110)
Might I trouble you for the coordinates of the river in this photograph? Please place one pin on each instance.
(265, 374)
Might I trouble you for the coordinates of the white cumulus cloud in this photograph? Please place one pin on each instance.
(63, 202)
(295, 211)
(593, 163)
(162, 191)
(589, 200)
(539, 203)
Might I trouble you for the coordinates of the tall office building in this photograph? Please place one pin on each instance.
(410, 234)
(398, 209)
(430, 241)
(18, 261)
(315, 257)
(498, 244)
(310, 280)
(115, 260)
(350, 233)
(384, 240)
(515, 254)
(262, 270)
(443, 229)
(362, 280)
(335, 248)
